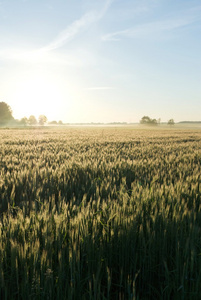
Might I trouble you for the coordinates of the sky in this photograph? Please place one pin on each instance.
(101, 60)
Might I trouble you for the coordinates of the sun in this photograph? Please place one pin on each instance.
(39, 93)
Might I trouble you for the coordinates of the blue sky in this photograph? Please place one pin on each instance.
(101, 61)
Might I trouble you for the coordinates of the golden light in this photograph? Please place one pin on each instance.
(38, 93)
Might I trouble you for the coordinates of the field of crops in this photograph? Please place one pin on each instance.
(100, 213)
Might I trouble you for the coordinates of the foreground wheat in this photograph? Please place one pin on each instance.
(100, 214)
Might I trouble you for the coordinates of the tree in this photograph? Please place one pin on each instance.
(5, 114)
(145, 120)
(60, 122)
(32, 120)
(171, 122)
(154, 122)
(148, 121)
(53, 123)
(24, 121)
(42, 120)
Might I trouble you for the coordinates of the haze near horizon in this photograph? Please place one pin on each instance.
(101, 61)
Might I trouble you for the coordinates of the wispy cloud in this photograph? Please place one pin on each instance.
(147, 29)
(77, 27)
(71, 31)
(42, 55)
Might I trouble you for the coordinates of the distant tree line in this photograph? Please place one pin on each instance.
(7, 119)
(148, 121)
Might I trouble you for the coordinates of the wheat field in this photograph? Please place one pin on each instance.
(100, 213)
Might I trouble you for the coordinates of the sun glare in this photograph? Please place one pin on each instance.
(38, 94)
